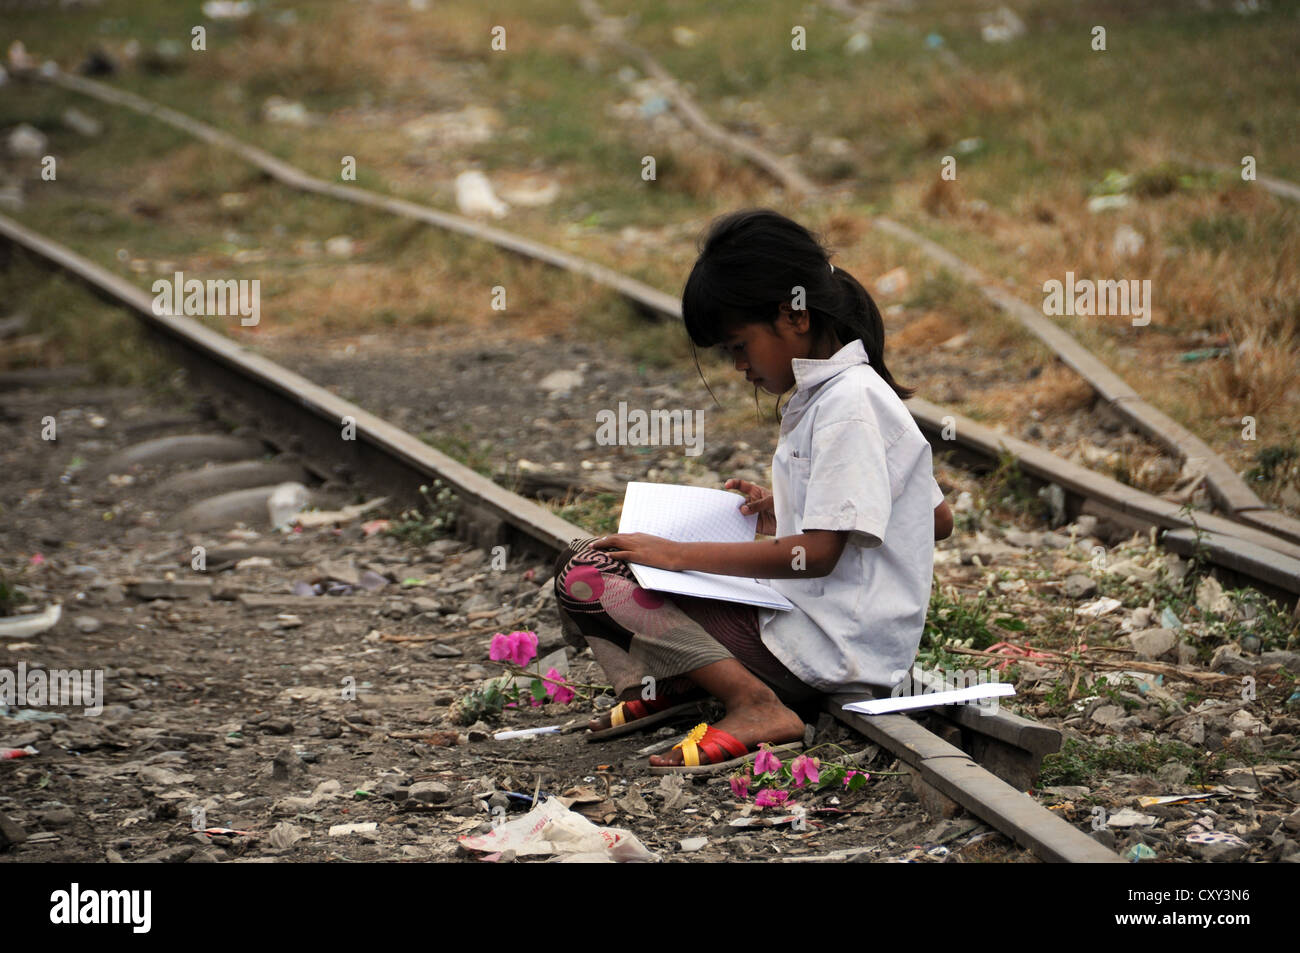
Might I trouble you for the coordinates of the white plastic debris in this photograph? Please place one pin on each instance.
(1127, 817)
(474, 195)
(27, 141)
(552, 829)
(340, 246)
(280, 110)
(341, 830)
(1101, 607)
(25, 626)
(858, 43)
(227, 9)
(1126, 242)
(526, 732)
(285, 502)
(1002, 26)
(1103, 203)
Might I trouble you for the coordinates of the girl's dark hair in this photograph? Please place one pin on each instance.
(751, 260)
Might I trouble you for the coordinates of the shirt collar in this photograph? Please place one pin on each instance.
(808, 373)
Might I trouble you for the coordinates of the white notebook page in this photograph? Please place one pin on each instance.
(694, 514)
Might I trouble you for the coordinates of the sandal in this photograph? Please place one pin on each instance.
(716, 745)
(634, 715)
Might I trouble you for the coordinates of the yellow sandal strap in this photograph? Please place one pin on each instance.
(690, 746)
(616, 716)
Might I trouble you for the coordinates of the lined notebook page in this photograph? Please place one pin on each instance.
(694, 514)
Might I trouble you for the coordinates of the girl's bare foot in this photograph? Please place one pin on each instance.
(751, 723)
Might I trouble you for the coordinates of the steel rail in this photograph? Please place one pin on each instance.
(300, 415)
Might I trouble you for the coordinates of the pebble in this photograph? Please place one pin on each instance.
(1108, 715)
(1227, 659)
(1017, 537)
(56, 817)
(1151, 644)
(87, 624)
(1173, 774)
(277, 726)
(1079, 586)
(429, 792)
(438, 650)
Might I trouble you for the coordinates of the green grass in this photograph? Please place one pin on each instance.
(79, 328)
(597, 513)
(1080, 762)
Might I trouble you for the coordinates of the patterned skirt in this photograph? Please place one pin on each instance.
(636, 632)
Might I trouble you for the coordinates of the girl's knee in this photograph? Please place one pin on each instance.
(574, 576)
(570, 564)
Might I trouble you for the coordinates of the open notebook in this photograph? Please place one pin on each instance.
(694, 514)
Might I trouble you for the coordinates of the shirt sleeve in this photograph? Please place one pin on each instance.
(936, 495)
(848, 482)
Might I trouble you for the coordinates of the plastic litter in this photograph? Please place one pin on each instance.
(474, 195)
(285, 502)
(340, 830)
(25, 626)
(1215, 837)
(1101, 607)
(1127, 817)
(8, 754)
(527, 732)
(1172, 799)
(551, 829)
(1139, 852)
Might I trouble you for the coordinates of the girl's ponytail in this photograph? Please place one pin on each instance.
(861, 319)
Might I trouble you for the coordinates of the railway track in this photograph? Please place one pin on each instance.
(978, 762)
(294, 413)
(1251, 541)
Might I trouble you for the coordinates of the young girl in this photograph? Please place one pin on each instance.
(854, 511)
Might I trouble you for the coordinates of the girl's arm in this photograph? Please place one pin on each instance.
(806, 555)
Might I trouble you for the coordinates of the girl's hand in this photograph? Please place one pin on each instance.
(757, 500)
(641, 548)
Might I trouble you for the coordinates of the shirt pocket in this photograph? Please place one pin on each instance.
(800, 468)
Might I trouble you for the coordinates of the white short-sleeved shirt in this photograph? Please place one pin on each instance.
(850, 457)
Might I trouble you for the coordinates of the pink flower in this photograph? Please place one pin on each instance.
(558, 690)
(766, 763)
(804, 769)
(517, 647)
(500, 650)
(523, 647)
(740, 787)
(771, 797)
(851, 774)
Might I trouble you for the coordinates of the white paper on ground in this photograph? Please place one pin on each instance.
(882, 706)
(551, 828)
